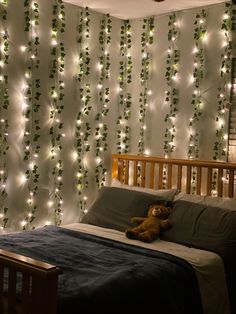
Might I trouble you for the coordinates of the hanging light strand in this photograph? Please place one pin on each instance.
(125, 98)
(101, 131)
(198, 75)
(223, 95)
(30, 108)
(4, 103)
(56, 109)
(144, 96)
(83, 127)
(171, 94)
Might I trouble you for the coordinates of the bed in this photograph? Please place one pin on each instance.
(91, 266)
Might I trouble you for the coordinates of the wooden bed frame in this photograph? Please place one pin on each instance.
(39, 280)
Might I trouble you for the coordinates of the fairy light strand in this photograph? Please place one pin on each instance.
(4, 103)
(223, 95)
(83, 127)
(56, 75)
(220, 146)
(171, 94)
(30, 110)
(125, 98)
(198, 75)
(144, 96)
(101, 131)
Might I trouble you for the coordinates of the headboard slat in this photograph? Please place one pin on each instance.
(209, 180)
(179, 177)
(143, 175)
(188, 179)
(152, 177)
(169, 180)
(220, 183)
(135, 174)
(127, 172)
(199, 180)
(231, 183)
(160, 176)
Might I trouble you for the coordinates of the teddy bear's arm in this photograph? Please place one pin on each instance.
(137, 220)
(165, 224)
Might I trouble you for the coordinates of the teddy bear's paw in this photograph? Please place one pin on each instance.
(130, 234)
(145, 237)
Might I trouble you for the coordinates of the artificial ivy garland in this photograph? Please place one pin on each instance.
(83, 128)
(31, 107)
(56, 107)
(171, 94)
(146, 42)
(101, 130)
(125, 98)
(223, 95)
(198, 75)
(4, 103)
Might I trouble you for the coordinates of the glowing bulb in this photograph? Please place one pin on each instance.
(50, 203)
(23, 179)
(98, 160)
(23, 48)
(53, 42)
(195, 49)
(23, 223)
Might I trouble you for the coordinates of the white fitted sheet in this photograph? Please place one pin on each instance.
(208, 266)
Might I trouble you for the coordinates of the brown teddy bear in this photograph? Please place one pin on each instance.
(149, 227)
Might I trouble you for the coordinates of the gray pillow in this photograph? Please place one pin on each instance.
(114, 207)
(204, 227)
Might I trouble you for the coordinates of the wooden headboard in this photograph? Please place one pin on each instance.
(190, 176)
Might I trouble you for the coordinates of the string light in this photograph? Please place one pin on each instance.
(101, 131)
(124, 80)
(30, 109)
(144, 96)
(171, 95)
(4, 103)
(197, 78)
(83, 127)
(56, 106)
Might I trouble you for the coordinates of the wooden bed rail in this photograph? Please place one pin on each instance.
(27, 286)
(190, 176)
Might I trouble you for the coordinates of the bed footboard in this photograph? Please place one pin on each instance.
(27, 286)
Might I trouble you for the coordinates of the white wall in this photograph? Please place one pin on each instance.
(17, 193)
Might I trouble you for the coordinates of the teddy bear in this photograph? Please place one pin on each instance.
(149, 227)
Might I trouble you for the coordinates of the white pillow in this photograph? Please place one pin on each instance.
(165, 193)
(222, 202)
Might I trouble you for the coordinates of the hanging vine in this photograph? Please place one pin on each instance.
(56, 108)
(144, 96)
(30, 106)
(198, 75)
(4, 103)
(83, 128)
(223, 95)
(101, 131)
(125, 98)
(171, 94)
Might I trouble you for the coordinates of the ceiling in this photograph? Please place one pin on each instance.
(134, 9)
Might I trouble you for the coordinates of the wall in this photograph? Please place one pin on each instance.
(58, 188)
